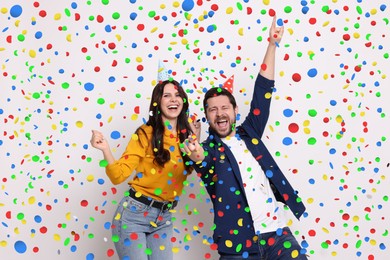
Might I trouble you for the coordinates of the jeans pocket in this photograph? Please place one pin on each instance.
(135, 206)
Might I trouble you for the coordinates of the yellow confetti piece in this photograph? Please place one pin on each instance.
(138, 59)
(3, 243)
(109, 119)
(228, 243)
(162, 247)
(239, 222)
(187, 237)
(153, 224)
(306, 130)
(176, 4)
(154, 29)
(268, 95)
(69, 38)
(356, 35)
(241, 31)
(188, 17)
(255, 141)
(117, 216)
(79, 124)
(3, 10)
(325, 230)
(90, 178)
(294, 253)
(31, 200)
(325, 177)
(266, 2)
(229, 10)
(310, 200)
(54, 127)
(334, 253)
(57, 237)
(32, 53)
(118, 37)
(175, 249)
(57, 16)
(134, 117)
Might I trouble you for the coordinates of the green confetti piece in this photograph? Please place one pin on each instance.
(67, 12)
(101, 101)
(287, 244)
(324, 245)
(36, 95)
(103, 163)
(288, 9)
(116, 15)
(148, 251)
(359, 10)
(312, 112)
(115, 238)
(20, 216)
(239, 247)
(158, 191)
(65, 85)
(21, 37)
(312, 141)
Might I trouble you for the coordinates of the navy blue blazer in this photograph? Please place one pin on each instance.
(233, 225)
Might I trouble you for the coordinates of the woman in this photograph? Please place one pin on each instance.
(142, 227)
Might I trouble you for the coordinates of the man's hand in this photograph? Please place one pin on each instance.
(192, 148)
(275, 33)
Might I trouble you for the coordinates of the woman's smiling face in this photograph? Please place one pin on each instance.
(171, 103)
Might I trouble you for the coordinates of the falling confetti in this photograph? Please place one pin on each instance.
(70, 67)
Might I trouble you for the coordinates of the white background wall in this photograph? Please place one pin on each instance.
(62, 76)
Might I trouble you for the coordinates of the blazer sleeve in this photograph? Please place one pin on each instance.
(260, 105)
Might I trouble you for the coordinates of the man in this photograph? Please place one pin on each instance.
(241, 177)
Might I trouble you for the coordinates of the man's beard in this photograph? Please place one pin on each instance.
(231, 128)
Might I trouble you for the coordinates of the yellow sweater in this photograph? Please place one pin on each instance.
(150, 179)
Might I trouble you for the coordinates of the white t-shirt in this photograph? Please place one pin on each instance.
(267, 215)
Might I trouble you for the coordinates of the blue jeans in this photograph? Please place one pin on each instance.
(142, 232)
(274, 246)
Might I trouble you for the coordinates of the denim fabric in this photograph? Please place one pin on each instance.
(274, 246)
(142, 232)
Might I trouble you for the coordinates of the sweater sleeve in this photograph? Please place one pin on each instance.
(122, 168)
